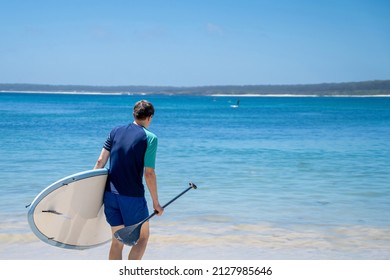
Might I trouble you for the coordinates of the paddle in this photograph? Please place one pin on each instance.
(129, 235)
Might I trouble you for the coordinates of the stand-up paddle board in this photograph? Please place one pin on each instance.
(69, 213)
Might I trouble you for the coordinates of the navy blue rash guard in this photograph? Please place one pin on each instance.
(132, 147)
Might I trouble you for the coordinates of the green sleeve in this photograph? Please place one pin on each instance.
(151, 150)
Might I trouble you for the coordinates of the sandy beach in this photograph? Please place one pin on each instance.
(260, 242)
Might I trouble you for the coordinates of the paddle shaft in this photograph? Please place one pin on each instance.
(192, 186)
(129, 235)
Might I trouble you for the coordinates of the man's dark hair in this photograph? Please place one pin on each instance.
(143, 109)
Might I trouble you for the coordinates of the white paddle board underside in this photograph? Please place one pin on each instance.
(70, 213)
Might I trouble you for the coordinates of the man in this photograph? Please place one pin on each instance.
(131, 150)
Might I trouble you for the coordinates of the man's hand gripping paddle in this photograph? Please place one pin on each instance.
(129, 235)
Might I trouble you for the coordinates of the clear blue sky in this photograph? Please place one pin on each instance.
(193, 43)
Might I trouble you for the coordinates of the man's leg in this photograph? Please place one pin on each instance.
(138, 250)
(116, 246)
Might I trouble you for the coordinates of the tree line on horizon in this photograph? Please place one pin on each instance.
(376, 87)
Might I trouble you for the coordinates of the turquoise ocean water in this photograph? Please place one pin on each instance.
(278, 177)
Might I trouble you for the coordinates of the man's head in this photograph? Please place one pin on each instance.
(142, 110)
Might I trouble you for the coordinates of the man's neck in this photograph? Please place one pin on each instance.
(140, 123)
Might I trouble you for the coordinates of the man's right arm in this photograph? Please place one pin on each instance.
(151, 182)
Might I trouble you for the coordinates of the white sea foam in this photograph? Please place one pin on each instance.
(292, 95)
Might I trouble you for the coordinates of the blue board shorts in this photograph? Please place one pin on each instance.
(124, 210)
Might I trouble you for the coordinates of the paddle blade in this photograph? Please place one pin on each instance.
(129, 235)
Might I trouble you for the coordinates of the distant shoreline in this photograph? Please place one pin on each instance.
(62, 92)
(375, 88)
(243, 95)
